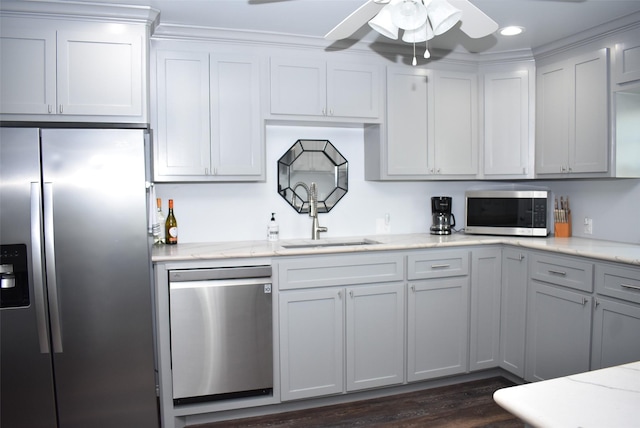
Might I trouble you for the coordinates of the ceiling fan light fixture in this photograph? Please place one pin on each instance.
(418, 35)
(443, 16)
(409, 14)
(383, 23)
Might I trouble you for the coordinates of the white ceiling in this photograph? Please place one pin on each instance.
(545, 21)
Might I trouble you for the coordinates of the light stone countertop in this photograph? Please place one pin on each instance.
(602, 250)
(602, 398)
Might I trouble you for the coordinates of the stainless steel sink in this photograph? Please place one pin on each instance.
(331, 244)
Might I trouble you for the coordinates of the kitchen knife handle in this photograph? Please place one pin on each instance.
(38, 271)
(50, 260)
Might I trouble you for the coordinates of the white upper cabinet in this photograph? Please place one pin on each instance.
(208, 118)
(627, 59)
(508, 133)
(572, 115)
(453, 124)
(326, 90)
(64, 71)
(431, 130)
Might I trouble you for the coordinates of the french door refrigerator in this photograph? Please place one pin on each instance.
(76, 308)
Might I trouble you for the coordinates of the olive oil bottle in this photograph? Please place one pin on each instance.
(171, 226)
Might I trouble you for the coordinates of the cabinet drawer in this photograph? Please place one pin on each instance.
(618, 281)
(572, 273)
(437, 264)
(321, 271)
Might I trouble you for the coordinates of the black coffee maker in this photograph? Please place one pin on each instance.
(441, 215)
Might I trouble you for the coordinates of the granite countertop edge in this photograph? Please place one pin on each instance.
(598, 249)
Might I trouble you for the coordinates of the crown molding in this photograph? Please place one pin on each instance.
(81, 10)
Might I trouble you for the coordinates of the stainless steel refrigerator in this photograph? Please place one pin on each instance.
(76, 307)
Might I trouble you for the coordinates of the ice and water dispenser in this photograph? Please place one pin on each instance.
(14, 281)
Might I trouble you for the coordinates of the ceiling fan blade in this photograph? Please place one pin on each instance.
(353, 22)
(475, 23)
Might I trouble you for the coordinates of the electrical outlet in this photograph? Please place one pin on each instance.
(588, 226)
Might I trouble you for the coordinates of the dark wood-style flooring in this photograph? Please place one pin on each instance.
(464, 405)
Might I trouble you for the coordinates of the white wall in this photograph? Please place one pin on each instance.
(240, 211)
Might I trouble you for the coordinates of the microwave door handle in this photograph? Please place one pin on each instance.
(38, 271)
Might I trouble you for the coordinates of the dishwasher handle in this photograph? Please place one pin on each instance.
(184, 275)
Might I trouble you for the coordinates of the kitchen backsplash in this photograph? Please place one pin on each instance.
(241, 211)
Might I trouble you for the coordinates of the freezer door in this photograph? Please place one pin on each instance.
(98, 277)
(26, 379)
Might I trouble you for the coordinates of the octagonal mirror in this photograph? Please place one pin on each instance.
(312, 161)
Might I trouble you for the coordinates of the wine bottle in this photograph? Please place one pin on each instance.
(171, 226)
(158, 227)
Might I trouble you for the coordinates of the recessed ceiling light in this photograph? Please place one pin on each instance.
(511, 30)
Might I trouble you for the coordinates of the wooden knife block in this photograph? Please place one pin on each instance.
(563, 230)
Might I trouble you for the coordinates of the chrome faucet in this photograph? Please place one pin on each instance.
(294, 194)
(313, 212)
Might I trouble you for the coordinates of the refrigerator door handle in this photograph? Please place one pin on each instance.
(50, 261)
(38, 271)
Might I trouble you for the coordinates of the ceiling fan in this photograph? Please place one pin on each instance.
(420, 20)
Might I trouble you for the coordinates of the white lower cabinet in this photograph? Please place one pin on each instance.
(616, 333)
(311, 343)
(321, 328)
(558, 332)
(341, 324)
(513, 310)
(375, 335)
(616, 323)
(486, 281)
(437, 314)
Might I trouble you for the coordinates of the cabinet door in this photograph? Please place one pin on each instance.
(513, 310)
(552, 119)
(406, 141)
(353, 90)
(375, 336)
(627, 59)
(183, 134)
(311, 343)
(99, 73)
(236, 137)
(558, 332)
(506, 123)
(616, 333)
(27, 70)
(589, 129)
(437, 330)
(298, 87)
(453, 126)
(485, 308)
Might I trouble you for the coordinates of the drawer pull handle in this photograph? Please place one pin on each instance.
(351, 293)
(413, 288)
(632, 287)
(584, 301)
(519, 258)
(440, 266)
(557, 272)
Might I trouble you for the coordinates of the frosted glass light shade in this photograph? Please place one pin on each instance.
(409, 14)
(383, 23)
(418, 35)
(443, 16)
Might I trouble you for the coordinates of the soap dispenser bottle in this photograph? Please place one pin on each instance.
(273, 231)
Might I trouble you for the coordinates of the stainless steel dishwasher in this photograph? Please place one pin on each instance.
(221, 333)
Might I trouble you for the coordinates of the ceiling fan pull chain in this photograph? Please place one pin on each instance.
(414, 62)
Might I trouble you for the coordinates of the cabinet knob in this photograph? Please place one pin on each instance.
(584, 301)
(351, 293)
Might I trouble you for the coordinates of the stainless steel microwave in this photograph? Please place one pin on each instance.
(507, 212)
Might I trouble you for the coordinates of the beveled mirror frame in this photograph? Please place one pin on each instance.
(316, 161)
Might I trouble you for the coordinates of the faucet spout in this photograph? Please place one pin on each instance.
(313, 212)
